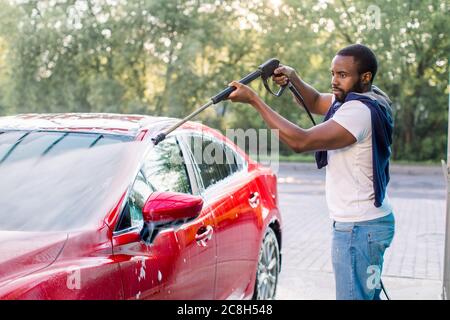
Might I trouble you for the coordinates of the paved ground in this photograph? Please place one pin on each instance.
(413, 264)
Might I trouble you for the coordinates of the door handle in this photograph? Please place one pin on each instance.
(253, 200)
(204, 234)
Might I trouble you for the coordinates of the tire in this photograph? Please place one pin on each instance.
(268, 267)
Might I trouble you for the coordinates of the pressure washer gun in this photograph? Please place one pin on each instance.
(265, 71)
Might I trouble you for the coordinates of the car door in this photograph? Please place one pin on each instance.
(241, 255)
(223, 192)
(248, 204)
(141, 265)
(193, 251)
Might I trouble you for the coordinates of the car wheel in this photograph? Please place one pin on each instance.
(268, 267)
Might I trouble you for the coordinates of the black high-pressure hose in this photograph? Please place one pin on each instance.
(299, 98)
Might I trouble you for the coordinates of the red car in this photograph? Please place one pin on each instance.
(91, 209)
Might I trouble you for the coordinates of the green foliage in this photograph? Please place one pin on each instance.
(167, 57)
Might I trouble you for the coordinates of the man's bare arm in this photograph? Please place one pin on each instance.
(328, 135)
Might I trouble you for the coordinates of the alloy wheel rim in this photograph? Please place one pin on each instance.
(268, 269)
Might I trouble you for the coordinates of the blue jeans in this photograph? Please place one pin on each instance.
(357, 256)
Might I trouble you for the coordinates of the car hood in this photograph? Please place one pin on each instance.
(22, 253)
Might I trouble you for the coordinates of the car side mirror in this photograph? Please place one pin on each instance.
(166, 207)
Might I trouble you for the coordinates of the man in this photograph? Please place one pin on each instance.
(353, 143)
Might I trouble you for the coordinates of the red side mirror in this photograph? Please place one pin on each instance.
(171, 206)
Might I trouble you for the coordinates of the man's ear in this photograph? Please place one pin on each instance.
(366, 77)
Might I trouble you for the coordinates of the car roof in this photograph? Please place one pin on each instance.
(112, 123)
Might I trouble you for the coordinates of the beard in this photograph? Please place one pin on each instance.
(358, 87)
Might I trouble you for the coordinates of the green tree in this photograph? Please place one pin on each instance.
(167, 57)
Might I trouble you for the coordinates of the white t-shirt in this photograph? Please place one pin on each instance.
(349, 174)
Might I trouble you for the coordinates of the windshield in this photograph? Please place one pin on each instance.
(60, 181)
(18, 145)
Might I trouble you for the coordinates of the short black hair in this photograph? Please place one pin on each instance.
(366, 59)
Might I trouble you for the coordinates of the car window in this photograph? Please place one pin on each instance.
(165, 169)
(218, 158)
(214, 160)
(234, 160)
(131, 216)
(209, 173)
